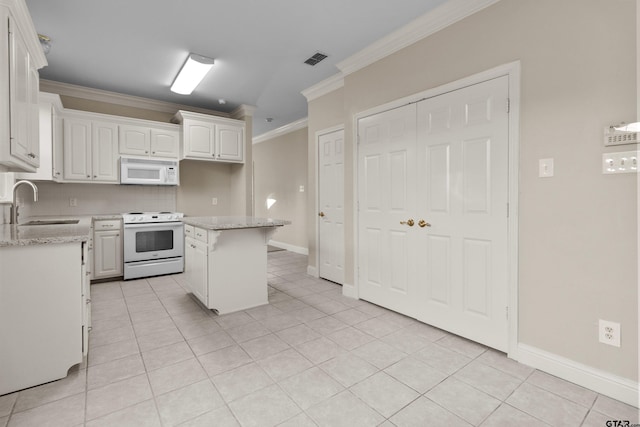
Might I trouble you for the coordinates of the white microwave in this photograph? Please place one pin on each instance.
(148, 172)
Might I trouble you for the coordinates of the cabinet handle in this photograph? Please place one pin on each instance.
(95, 176)
(153, 152)
(193, 246)
(57, 173)
(146, 152)
(89, 328)
(88, 176)
(88, 301)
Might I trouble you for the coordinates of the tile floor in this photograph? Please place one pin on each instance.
(311, 357)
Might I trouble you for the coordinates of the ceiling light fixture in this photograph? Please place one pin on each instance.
(191, 74)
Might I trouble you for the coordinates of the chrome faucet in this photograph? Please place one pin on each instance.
(14, 205)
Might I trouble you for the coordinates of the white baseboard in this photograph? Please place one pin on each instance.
(312, 271)
(349, 291)
(291, 248)
(603, 382)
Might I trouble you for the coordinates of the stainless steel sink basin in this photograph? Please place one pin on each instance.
(52, 222)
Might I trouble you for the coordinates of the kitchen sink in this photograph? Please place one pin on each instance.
(52, 222)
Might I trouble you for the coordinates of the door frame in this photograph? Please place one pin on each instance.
(512, 71)
(317, 136)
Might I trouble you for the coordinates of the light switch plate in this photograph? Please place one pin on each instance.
(545, 168)
(620, 162)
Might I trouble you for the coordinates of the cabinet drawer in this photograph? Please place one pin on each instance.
(189, 230)
(201, 234)
(102, 225)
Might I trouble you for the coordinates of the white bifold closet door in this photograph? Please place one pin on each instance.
(432, 218)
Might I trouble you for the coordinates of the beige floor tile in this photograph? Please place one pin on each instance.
(265, 346)
(149, 315)
(300, 420)
(547, 406)
(348, 369)
(264, 408)
(72, 384)
(117, 396)
(188, 402)
(241, 381)
(427, 331)
(326, 325)
(308, 314)
(378, 327)
(463, 400)
(297, 335)
(221, 417)
(112, 323)
(320, 350)
(384, 393)
(492, 381)
(507, 415)
(170, 335)
(233, 320)
(248, 331)
(423, 412)
(114, 371)
(310, 387)
(176, 376)
(331, 307)
(63, 413)
(143, 414)
(379, 354)
(442, 359)
(462, 345)
(501, 362)
(164, 356)
(352, 316)
(109, 352)
(596, 419)
(563, 388)
(350, 338)
(208, 343)
(153, 326)
(406, 341)
(280, 322)
(223, 360)
(4, 421)
(263, 312)
(199, 328)
(285, 364)
(290, 305)
(616, 409)
(138, 304)
(416, 374)
(6, 403)
(344, 410)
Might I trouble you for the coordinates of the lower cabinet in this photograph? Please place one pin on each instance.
(107, 249)
(197, 268)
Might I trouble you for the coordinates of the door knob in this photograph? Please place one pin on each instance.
(409, 222)
(422, 223)
(321, 214)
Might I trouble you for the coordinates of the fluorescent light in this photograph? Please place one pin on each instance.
(191, 74)
(628, 127)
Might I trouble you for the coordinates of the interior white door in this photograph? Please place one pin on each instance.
(463, 195)
(387, 209)
(331, 204)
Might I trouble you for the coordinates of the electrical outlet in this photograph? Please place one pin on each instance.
(609, 332)
(73, 202)
(302, 188)
(214, 201)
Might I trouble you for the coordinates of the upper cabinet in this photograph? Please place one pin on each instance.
(150, 140)
(211, 138)
(19, 83)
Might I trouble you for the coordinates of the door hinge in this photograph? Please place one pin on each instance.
(508, 105)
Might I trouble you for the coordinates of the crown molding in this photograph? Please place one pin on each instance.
(20, 13)
(242, 111)
(282, 130)
(91, 94)
(441, 17)
(324, 87)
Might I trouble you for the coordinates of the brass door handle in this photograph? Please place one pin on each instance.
(321, 214)
(409, 222)
(422, 223)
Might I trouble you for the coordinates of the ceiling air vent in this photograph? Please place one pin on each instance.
(317, 57)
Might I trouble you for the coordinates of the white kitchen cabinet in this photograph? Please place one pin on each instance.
(7, 179)
(196, 267)
(19, 83)
(107, 249)
(50, 131)
(86, 298)
(211, 138)
(149, 141)
(90, 151)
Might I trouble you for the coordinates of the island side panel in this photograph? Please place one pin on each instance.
(238, 269)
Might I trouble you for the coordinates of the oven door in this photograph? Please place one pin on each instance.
(144, 242)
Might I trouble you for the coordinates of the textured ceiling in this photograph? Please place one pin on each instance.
(137, 47)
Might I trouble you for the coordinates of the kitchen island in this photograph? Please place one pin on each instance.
(226, 260)
(43, 289)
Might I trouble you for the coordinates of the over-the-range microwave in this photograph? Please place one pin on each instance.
(148, 172)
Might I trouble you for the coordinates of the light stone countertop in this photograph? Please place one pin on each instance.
(232, 222)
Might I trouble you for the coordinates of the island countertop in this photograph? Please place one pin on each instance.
(232, 222)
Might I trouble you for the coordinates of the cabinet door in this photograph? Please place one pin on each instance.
(107, 252)
(104, 152)
(19, 96)
(199, 139)
(6, 184)
(57, 149)
(165, 143)
(196, 268)
(33, 118)
(229, 143)
(134, 140)
(77, 150)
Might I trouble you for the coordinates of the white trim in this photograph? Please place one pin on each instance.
(316, 144)
(282, 130)
(312, 271)
(66, 89)
(290, 248)
(441, 17)
(512, 70)
(349, 290)
(603, 382)
(242, 111)
(324, 87)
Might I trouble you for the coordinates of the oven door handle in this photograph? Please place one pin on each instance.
(155, 224)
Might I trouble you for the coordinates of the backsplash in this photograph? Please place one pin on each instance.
(54, 199)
